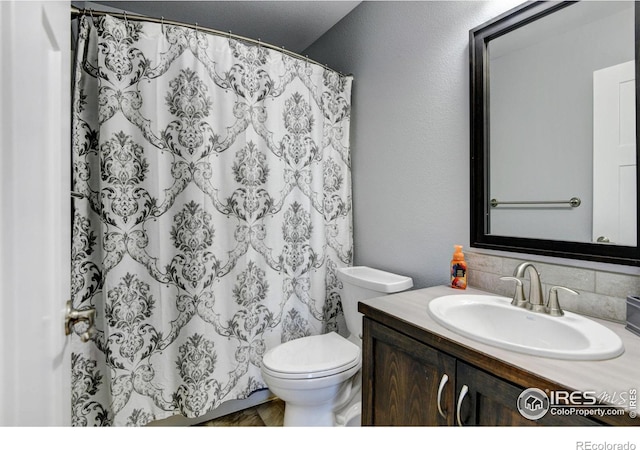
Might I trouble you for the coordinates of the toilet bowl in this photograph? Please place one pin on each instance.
(318, 377)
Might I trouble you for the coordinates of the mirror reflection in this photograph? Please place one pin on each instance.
(561, 126)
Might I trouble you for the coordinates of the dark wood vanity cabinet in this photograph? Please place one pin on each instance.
(491, 401)
(403, 378)
(407, 382)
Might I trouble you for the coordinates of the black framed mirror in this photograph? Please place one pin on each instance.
(546, 79)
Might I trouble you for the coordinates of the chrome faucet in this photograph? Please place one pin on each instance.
(536, 297)
(535, 302)
(553, 306)
(518, 296)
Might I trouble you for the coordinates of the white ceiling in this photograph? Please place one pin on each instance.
(292, 24)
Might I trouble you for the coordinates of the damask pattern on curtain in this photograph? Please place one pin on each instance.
(216, 208)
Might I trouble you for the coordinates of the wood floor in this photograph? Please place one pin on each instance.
(269, 414)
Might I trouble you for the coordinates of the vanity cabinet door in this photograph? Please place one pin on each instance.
(489, 400)
(403, 380)
(492, 401)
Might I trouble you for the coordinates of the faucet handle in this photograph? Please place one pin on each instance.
(554, 305)
(518, 295)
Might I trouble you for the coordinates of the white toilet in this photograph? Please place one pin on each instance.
(318, 377)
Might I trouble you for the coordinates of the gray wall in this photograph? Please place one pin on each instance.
(410, 129)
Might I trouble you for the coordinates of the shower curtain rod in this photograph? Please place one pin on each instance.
(79, 12)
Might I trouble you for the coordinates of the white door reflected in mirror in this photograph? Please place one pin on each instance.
(614, 155)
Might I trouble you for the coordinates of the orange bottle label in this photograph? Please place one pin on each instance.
(459, 275)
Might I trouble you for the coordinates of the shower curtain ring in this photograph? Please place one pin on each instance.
(126, 22)
(162, 24)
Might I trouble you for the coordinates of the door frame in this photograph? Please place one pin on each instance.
(35, 217)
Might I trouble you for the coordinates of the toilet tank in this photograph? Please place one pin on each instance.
(361, 282)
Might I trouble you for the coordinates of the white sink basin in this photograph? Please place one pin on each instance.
(494, 321)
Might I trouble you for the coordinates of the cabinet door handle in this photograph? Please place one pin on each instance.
(463, 394)
(443, 382)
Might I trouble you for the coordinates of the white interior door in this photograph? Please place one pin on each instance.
(614, 155)
(35, 215)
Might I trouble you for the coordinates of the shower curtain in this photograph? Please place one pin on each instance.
(215, 208)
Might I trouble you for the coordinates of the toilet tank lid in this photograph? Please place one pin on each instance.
(374, 279)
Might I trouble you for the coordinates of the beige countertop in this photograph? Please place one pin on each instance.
(610, 377)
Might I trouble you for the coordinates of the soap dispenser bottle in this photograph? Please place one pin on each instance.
(458, 269)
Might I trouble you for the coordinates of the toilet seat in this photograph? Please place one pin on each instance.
(311, 357)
